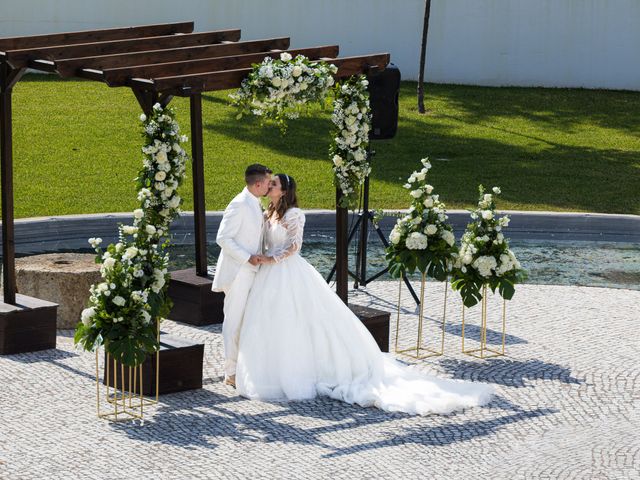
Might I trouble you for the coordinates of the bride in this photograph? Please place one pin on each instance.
(299, 340)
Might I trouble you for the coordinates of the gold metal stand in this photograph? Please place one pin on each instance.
(124, 403)
(420, 350)
(484, 351)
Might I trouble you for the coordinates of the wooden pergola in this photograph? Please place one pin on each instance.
(158, 62)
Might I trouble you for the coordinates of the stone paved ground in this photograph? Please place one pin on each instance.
(567, 407)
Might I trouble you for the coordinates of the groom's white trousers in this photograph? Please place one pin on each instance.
(235, 300)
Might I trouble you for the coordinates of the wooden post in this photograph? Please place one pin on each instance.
(199, 209)
(6, 169)
(342, 246)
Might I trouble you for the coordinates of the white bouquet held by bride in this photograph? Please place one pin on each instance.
(124, 308)
(423, 238)
(485, 257)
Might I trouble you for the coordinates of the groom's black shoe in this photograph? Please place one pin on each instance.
(230, 380)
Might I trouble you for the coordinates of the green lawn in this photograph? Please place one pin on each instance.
(77, 148)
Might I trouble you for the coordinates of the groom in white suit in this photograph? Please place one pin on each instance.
(240, 240)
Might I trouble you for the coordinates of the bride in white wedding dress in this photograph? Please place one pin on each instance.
(299, 340)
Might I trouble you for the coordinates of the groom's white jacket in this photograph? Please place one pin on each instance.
(239, 237)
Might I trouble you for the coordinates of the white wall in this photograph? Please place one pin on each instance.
(559, 43)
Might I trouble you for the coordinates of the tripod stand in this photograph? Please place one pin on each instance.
(362, 225)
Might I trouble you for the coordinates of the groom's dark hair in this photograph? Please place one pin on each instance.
(256, 172)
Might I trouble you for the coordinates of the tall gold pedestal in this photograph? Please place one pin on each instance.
(483, 351)
(120, 397)
(422, 350)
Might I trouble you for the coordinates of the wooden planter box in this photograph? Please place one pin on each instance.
(377, 322)
(28, 326)
(193, 300)
(180, 367)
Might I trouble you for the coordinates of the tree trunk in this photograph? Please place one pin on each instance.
(423, 55)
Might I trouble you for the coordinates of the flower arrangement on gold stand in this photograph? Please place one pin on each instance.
(485, 262)
(422, 240)
(127, 306)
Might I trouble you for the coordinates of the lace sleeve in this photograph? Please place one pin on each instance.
(293, 221)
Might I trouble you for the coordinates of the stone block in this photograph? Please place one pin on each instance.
(61, 278)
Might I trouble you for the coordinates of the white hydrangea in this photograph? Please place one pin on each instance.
(417, 241)
(485, 265)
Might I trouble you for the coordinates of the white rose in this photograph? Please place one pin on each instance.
(395, 236)
(150, 229)
(87, 315)
(118, 300)
(497, 190)
(94, 242)
(276, 81)
(487, 214)
(143, 118)
(109, 263)
(416, 193)
(428, 188)
(448, 237)
(138, 213)
(428, 202)
(174, 202)
(131, 252)
(431, 229)
(297, 71)
(488, 197)
(161, 157)
(420, 176)
(160, 176)
(285, 57)
(129, 229)
(337, 161)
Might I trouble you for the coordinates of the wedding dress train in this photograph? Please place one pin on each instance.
(299, 340)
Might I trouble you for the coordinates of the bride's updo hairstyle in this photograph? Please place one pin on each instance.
(288, 199)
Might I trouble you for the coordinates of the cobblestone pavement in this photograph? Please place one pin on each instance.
(567, 407)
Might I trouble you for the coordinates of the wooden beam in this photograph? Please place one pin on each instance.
(117, 77)
(91, 36)
(70, 67)
(6, 195)
(222, 80)
(197, 164)
(20, 58)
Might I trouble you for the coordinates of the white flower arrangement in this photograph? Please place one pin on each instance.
(348, 151)
(422, 238)
(276, 90)
(484, 257)
(132, 296)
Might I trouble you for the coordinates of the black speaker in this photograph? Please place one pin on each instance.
(384, 88)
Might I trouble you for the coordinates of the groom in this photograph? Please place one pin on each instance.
(240, 240)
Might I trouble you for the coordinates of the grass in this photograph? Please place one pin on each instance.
(77, 144)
